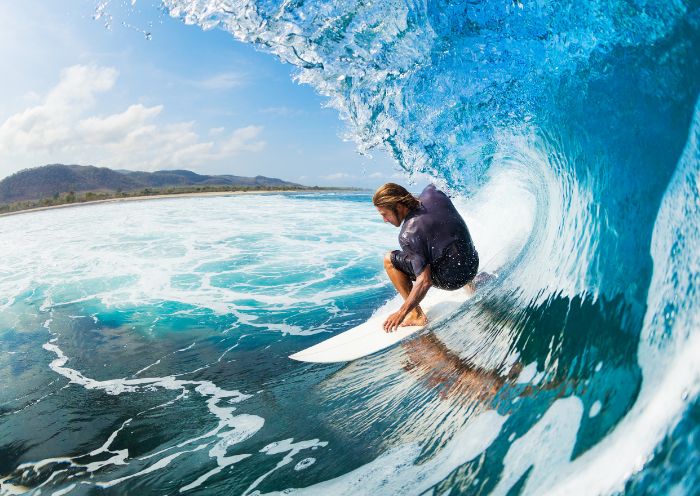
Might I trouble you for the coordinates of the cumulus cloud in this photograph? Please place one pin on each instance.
(50, 124)
(65, 127)
(243, 139)
(114, 128)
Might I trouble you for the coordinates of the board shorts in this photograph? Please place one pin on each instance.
(457, 266)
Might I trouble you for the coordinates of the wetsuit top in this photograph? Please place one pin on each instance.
(429, 229)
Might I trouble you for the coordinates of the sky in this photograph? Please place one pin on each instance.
(135, 89)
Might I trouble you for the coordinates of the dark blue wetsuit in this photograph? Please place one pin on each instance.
(435, 234)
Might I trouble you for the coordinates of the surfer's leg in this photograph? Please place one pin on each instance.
(403, 284)
(469, 288)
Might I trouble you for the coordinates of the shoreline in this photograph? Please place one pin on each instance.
(174, 195)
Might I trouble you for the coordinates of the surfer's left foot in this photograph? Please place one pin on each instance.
(414, 320)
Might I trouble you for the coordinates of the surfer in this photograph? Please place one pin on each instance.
(436, 248)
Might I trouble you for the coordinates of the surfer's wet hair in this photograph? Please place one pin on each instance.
(391, 195)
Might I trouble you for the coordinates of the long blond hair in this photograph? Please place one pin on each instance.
(390, 195)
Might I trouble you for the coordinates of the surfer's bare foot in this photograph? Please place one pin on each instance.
(414, 319)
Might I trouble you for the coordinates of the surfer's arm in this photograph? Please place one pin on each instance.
(418, 291)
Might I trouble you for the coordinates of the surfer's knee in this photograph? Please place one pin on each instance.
(388, 264)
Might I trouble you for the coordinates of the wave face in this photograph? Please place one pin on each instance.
(590, 107)
(571, 131)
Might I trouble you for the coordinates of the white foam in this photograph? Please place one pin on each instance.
(212, 258)
(162, 463)
(188, 347)
(291, 449)
(231, 429)
(486, 214)
(527, 374)
(147, 367)
(119, 458)
(304, 464)
(557, 431)
(595, 409)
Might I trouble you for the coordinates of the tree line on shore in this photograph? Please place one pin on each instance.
(71, 197)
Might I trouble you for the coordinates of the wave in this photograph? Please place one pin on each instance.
(589, 110)
(569, 131)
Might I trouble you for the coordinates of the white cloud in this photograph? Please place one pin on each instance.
(49, 124)
(113, 128)
(243, 139)
(376, 175)
(65, 127)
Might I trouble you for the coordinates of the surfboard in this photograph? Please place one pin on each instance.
(370, 337)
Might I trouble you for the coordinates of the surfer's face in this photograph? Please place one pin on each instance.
(390, 216)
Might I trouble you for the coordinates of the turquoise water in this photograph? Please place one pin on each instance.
(164, 338)
(144, 345)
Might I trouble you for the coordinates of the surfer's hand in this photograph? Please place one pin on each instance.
(393, 321)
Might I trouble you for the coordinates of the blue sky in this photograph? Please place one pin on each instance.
(97, 91)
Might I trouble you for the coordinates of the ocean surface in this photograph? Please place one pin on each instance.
(144, 345)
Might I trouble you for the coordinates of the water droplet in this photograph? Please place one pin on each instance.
(148, 36)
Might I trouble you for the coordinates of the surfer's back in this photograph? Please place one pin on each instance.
(435, 224)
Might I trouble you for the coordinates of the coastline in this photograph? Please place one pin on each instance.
(173, 195)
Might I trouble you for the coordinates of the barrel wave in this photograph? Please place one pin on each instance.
(590, 110)
(569, 134)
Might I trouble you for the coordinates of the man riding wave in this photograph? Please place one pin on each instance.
(436, 248)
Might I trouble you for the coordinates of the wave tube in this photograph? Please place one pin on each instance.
(578, 360)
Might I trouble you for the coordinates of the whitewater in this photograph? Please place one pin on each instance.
(144, 345)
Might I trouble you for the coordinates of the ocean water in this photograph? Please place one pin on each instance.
(144, 345)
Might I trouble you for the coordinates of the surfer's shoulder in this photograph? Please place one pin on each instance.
(431, 194)
(428, 190)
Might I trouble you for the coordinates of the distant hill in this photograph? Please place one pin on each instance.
(56, 179)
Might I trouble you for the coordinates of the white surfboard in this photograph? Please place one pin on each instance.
(370, 337)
